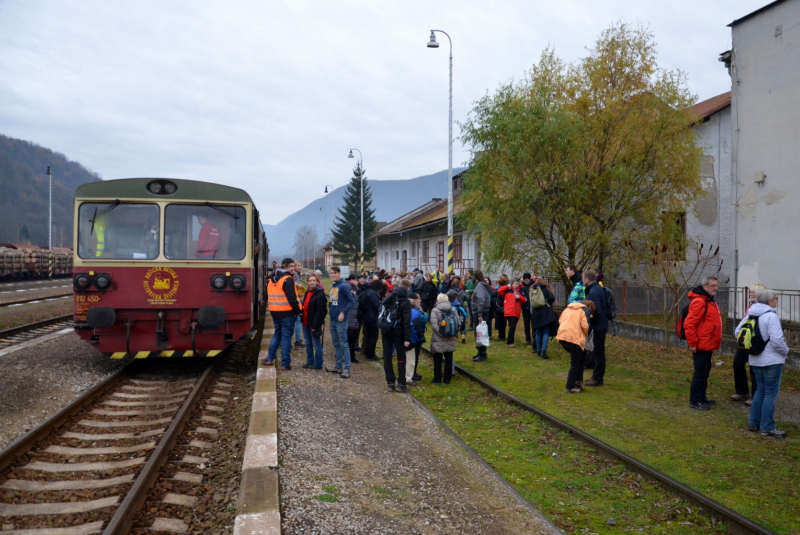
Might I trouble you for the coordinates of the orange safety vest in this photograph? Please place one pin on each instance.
(276, 299)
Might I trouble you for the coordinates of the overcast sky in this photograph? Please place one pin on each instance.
(269, 96)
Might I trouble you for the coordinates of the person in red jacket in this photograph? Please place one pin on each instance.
(703, 326)
(208, 240)
(512, 306)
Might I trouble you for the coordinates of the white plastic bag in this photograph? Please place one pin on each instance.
(482, 334)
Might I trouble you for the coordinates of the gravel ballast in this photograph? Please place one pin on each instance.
(357, 459)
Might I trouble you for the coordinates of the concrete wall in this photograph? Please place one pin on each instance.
(765, 80)
(709, 220)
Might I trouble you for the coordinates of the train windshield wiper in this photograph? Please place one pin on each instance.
(227, 213)
(106, 210)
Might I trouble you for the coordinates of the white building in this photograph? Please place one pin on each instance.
(764, 65)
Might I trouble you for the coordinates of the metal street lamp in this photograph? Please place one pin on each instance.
(333, 212)
(434, 44)
(361, 164)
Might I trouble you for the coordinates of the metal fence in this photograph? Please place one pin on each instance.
(639, 299)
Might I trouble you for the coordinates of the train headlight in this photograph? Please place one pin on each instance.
(237, 282)
(81, 281)
(170, 188)
(154, 187)
(218, 282)
(102, 281)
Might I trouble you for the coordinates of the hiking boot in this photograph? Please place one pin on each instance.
(358, 348)
(699, 406)
(749, 402)
(401, 388)
(592, 382)
(333, 370)
(710, 402)
(575, 390)
(480, 359)
(372, 358)
(543, 354)
(286, 368)
(299, 343)
(510, 346)
(266, 362)
(307, 366)
(390, 387)
(752, 428)
(355, 360)
(501, 339)
(528, 342)
(316, 367)
(463, 338)
(740, 397)
(774, 433)
(417, 377)
(345, 374)
(435, 382)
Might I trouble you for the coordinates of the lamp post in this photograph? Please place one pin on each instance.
(434, 44)
(333, 212)
(361, 165)
(50, 220)
(324, 230)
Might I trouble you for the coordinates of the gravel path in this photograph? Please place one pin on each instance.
(356, 459)
(41, 379)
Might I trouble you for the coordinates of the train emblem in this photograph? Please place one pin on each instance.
(161, 284)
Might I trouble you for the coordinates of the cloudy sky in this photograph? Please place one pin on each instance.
(269, 96)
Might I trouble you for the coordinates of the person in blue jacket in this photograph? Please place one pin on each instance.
(341, 302)
(419, 321)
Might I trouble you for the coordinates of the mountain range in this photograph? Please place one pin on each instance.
(25, 192)
(390, 199)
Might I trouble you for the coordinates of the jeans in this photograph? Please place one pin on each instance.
(526, 323)
(511, 321)
(543, 338)
(445, 358)
(298, 328)
(370, 340)
(575, 374)
(600, 356)
(313, 347)
(394, 344)
(740, 358)
(282, 338)
(702, 368)
(339, 339)
(763, 408)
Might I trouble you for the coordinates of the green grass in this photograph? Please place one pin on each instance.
(330, 498)
(643, 411)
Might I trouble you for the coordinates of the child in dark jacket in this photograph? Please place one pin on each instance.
(315, 308)
(419, 322)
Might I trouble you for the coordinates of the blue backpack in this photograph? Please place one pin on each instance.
(448, 326)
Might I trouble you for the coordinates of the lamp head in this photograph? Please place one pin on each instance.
(350, 155)
(326, 189)
(432, 43)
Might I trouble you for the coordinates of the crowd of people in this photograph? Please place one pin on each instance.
(400, 307)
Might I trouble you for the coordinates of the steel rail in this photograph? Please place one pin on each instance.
(35, 325)
(23, 444)
(122, 521)
(737, 523)
(32, 300)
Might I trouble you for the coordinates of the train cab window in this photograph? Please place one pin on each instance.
(205, 232)
(115, 230)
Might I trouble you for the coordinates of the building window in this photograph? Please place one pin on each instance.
(397, 255)
(425, 251)
(457, 248)
(414, 246)
(440, 255)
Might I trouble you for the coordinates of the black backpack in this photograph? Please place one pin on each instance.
(611, 304)
(679, 327)
(387, 314)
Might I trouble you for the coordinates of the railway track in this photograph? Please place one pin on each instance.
(35, 300)
(24, 333)
(737, 523)
(89, 468)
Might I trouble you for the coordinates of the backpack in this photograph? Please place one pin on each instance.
(387, 314)
(499, 304)
(448, 326)
(750, 338)
(417, 330)
(537, 297)
(685, 312)
(611, 305)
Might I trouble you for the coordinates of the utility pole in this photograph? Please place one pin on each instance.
(50, 220)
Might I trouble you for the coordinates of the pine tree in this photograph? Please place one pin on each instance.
(347, 226)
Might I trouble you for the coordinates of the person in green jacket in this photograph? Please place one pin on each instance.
(469, 287)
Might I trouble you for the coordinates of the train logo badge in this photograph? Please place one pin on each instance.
(161, 284)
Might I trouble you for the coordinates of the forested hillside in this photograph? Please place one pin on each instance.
(24, 192)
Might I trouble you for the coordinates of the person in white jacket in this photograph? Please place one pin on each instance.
(768, 365)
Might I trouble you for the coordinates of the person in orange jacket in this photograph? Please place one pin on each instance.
(572, 331)
(512, 307)
(703, 326)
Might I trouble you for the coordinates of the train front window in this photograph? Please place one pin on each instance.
(115, 230)
(205, 232)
